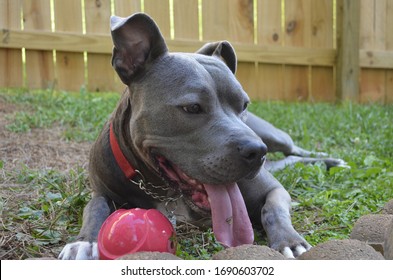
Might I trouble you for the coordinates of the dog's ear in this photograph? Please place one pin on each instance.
(137, 43)
(222, 50)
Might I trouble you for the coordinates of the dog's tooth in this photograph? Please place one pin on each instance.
(192, 181)
(185, 176)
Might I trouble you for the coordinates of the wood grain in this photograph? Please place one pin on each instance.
(70, 66)
(40, 70)
(372, 36)
(270, 77)
(322, 78)
(11, 68)
(297, 21)
(100, 74)
(347, 68)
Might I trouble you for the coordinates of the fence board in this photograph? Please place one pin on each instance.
(125, 8)
(372, 81)
(389, 24)
(270, 76)
(347, 36)
(185, 19)
(297, 19)
(100, 73)
(215, 19)
(269, 23)
(322, 78)
(11, 68)
(40, 71)
(372, 85)
(242, 30)
(389, 86)
(389, 47)
(70, 67)
(228, 20)
(161, 15)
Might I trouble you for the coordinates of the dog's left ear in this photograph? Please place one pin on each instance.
(138, 42)
(223, 50)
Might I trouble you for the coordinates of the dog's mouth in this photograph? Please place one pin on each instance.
(225, 204)
(189, 187)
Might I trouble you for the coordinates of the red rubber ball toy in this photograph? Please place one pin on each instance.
(135, 230)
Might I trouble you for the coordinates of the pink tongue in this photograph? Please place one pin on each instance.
(231, 224)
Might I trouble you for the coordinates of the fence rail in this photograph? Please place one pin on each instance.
(324, 50)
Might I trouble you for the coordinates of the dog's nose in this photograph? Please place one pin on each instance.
(252, 152)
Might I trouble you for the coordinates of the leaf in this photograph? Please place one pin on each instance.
(27, 212)
(373, 171)
(53, 196)
(370, 160)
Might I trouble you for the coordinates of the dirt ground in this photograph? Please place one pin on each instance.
(37, 149)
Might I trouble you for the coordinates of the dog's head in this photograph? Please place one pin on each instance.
(188, 112)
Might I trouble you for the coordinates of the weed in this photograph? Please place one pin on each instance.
(47, 203)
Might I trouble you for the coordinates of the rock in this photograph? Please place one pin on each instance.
(371, 229)
(149, 256)
(388, 244)
(349, 249)
(249, 252)
(388, 208)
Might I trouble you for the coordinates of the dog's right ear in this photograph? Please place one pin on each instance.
(222, 50)
(137, 43)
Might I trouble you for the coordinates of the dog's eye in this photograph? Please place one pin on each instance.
(193, 109)
(245, 105)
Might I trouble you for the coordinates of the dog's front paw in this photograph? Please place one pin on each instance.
(81, 250)
(294, 252)
(292, 248)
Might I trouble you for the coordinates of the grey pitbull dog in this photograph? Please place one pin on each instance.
(180, 135)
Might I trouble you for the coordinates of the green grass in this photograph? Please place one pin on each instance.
(44, 212)
(80, 114)
(325, 203)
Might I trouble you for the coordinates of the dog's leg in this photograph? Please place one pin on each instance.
(94, 214)
(276, 220)
(277, 140)
(273, 166)
(269, 203)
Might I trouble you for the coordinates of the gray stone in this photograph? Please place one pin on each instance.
(371, 229)
(349, 249)
(388, 244)
(388, 208)
(248, 252)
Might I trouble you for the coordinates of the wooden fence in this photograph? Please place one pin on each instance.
(308, 50)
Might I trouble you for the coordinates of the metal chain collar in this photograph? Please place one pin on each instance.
(146, 188)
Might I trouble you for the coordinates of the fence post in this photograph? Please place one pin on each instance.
(347, 66)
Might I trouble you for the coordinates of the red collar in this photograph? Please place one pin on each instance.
(121, 160)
